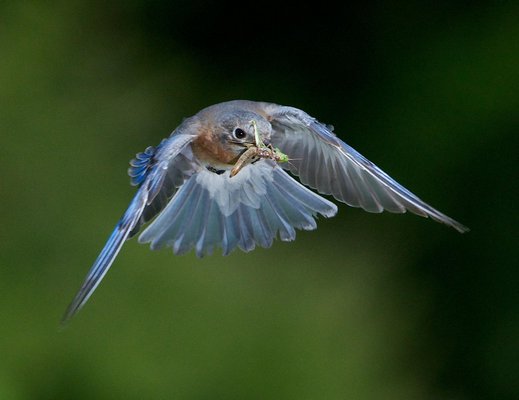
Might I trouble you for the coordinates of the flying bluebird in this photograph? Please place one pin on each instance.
(220, 180)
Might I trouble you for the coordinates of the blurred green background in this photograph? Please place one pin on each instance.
(366, 307)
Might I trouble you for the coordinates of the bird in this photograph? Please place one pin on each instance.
(226, 178)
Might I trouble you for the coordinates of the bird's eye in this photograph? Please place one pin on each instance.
(239, 133)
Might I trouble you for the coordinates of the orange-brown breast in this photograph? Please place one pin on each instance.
(208, 148)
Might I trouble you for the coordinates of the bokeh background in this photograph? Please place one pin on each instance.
(366, 307)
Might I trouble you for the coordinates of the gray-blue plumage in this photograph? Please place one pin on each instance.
(262, 201)
(186, 190)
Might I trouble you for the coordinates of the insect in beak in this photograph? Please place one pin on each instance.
(259, 149)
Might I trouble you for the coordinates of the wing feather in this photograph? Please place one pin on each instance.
(150, 176)
(324, 162)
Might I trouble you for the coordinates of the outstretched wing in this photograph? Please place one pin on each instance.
(324, 162)
(153, 174)
(249, 209)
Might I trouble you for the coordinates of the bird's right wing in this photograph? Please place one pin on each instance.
(150, 172)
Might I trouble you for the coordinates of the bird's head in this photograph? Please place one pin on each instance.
(240, 129)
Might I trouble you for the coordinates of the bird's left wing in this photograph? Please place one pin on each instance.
(150, 171)
(324, 162)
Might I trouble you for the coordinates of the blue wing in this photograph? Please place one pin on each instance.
(150, 171)
(108, 254)
(324, 162)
